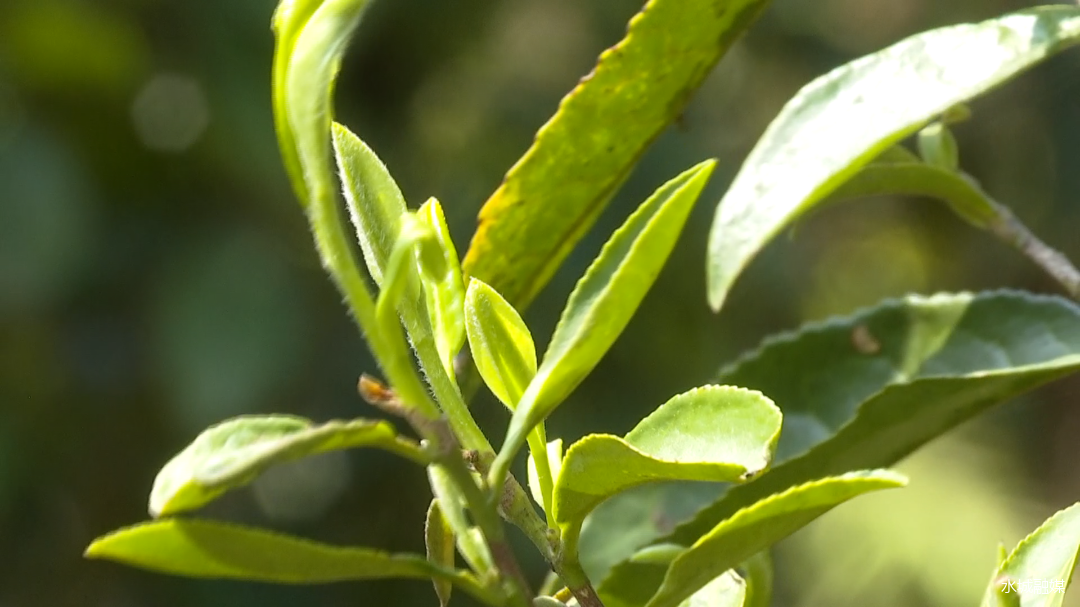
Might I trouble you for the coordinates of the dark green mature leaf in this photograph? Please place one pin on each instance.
(915, 178)
(658, 584)
(713, 433)
(374, 200)
(842, 120)
(634, 518)
(1048, 555)
(866, 390)
(209, 549)
(555, 192)
(604, 300)
(231, 454)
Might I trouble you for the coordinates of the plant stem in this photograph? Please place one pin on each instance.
(538, 446)
(449, 397)
(448, 457)
(569, 570)
(337, 257)
(1008, 228)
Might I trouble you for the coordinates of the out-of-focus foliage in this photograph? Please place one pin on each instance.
(155, 276)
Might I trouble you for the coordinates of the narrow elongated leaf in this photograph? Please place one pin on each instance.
(289, 18)
(714, 433)
(469, 539)
(443, 287)
(866, 390)
(439, 543)
(306, 84)
(844, 119)
(915, 178)
(209, 549)
(605, 299)
(1046, 557)
(736, 539)
(755, 528)
(555, 192)
(231, 454)
(502, 346)
(555, 460)
(375, 203)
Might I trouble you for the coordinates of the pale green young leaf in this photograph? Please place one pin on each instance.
(374, 201)
(210, 549)
(501, 345)
(938, 147)
(728, 590)
(555, 459)
(443, 287)
(736, 539)
(555, 192)
(233, 453)
(289, 18)
(308, 83)
(604, 300)
(844, 119)
(866, 390)
(1048, 554)
(439, 544)
(470, 541)
(713, 433)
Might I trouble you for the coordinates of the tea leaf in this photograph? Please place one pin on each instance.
(845, 118)
(502, 346)
(555, 192)
(233, 453)
(375, 203)
(736, 539)
(443, 289)
(209, 549)
(439, 542)
(939, 361)
(1048, 555)
(713, 433)
(604, 300)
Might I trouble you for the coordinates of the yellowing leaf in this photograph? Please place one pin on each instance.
(555, 192)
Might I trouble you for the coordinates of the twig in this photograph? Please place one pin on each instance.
(1008, 228)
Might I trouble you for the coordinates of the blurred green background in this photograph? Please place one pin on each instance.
(156, 276)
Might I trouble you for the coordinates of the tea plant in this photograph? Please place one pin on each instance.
(856, 394)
